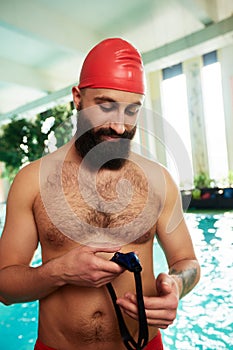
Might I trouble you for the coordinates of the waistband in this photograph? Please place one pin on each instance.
(40, 346)
(154, 344)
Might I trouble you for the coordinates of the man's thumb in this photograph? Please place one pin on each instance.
(163, 284)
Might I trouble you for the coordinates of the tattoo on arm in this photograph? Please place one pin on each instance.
(188, 278)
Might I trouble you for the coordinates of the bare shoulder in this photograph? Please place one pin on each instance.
(146, 163)
(155, 172)
(167, 190)
(28, 176)
(24, 188)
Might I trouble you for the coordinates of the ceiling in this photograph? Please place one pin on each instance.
(43, 43)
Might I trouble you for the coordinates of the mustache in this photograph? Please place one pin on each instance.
(112, 133)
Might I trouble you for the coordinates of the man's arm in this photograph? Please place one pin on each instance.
(174, 238)
(184, 269)
(80, 267)
(186, 275)
(19, 282)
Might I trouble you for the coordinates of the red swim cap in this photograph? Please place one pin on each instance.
(113, 64)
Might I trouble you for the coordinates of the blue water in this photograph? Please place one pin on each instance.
(205, 316)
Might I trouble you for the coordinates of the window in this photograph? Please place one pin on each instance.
(176, 125)
(214, 117)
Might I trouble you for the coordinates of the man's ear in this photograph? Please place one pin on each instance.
(76, 96)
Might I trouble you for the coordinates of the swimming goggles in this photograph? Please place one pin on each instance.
(131, 262)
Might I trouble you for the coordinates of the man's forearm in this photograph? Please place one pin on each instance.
(187, 274)
(19, 283)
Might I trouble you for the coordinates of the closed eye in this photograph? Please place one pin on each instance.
(108, 106)
(132, 110)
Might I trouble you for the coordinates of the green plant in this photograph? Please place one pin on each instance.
(23, 140)
(202, 180)
(230, 178)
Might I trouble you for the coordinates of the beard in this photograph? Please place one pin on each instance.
(101, 154)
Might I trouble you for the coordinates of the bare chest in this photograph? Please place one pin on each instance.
(112, 209)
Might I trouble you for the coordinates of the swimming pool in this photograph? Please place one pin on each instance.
(205, 316)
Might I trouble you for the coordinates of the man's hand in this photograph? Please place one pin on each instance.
(160, 310)
(83, 267)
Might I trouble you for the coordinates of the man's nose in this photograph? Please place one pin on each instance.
(118, 127)
(118, 123)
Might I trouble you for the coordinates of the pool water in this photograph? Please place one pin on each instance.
(205, 316)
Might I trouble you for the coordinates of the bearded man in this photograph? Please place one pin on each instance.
(84, 202)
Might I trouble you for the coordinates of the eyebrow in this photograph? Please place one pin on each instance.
(102, 99)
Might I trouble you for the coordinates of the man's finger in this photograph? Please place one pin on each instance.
(105, 249)
(163, 284)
